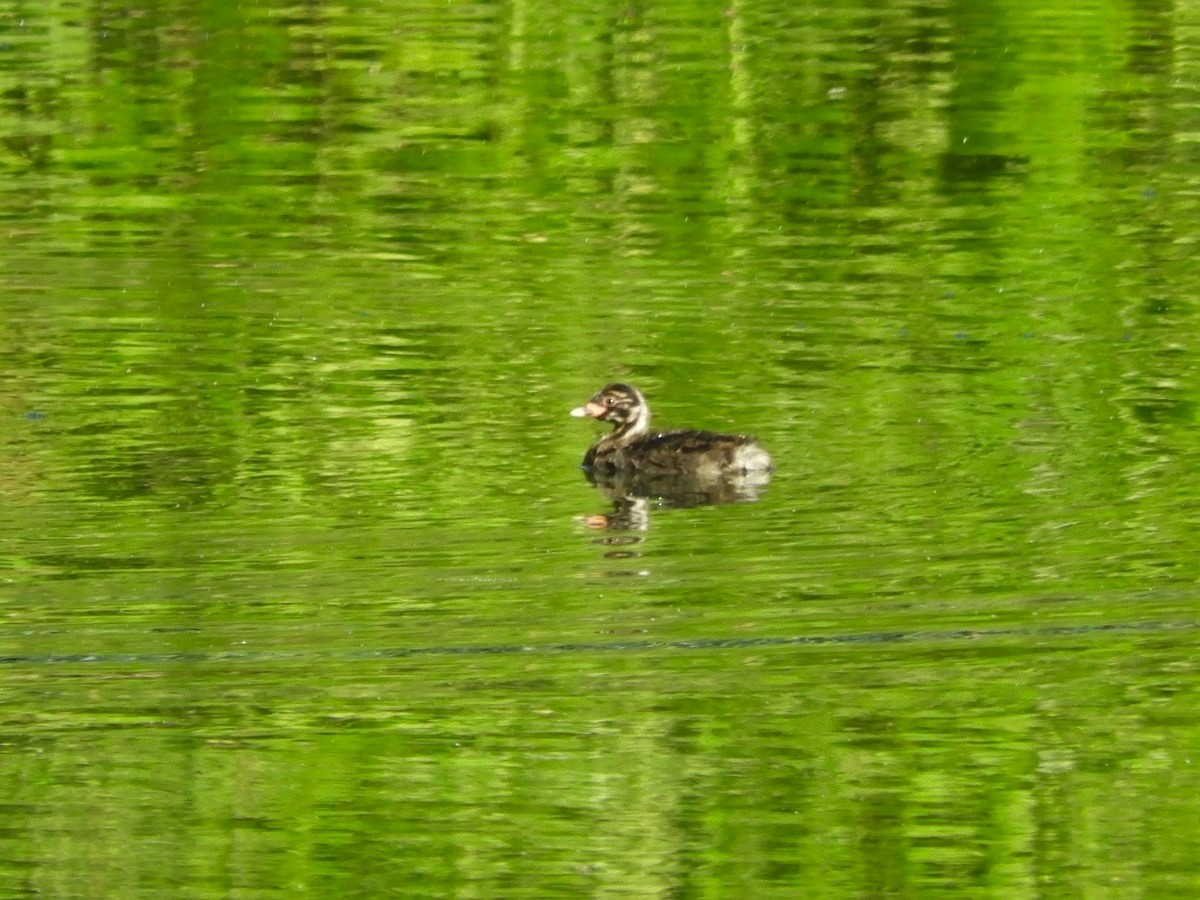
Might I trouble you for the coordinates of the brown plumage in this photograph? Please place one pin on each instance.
(632, 447)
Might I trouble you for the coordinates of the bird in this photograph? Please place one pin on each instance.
(631, 448)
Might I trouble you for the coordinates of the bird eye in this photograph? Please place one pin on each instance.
(610, 401)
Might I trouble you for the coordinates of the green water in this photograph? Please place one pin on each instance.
(302, 590)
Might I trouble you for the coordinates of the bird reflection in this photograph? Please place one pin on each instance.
(633, 494)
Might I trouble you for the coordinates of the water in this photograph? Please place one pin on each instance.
(303, 591)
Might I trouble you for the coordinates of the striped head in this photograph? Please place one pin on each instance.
(621, 404)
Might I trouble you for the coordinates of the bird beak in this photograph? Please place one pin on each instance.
(594, 410)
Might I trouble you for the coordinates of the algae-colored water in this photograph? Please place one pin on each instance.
(303, 593)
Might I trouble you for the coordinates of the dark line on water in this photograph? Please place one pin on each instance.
(726, 643)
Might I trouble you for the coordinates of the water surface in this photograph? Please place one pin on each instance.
(302, 588)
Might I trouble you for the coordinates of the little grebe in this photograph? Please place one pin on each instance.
(631, 447)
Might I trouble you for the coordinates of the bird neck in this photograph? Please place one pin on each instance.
(629, 431)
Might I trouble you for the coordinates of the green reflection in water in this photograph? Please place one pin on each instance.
(296, 300)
